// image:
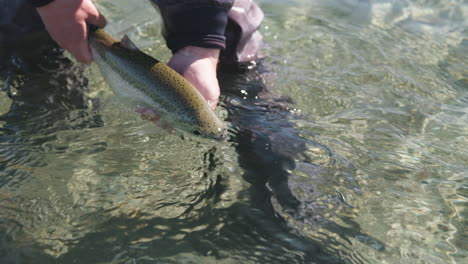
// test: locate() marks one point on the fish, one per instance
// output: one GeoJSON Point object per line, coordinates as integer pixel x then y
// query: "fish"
{"type": "Point", "coordinates": [139, 77]}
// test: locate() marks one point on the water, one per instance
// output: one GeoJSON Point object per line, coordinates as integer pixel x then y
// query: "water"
{"type": "Point", "coordinates": [368, 165]}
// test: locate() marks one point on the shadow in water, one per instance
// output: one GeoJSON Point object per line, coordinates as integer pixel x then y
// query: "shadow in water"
{"type": "Point", "coordinates": [270, 148]}
{"type": "Point", "coordinates": [49, 94]}
{"type": "Point", "coordinates": [254, 229]}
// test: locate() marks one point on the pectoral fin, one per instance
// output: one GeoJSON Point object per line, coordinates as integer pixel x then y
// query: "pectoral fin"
{"type": "Point", "coordinates": [155, 117]}
{"type": "Point", "coordinates": [148, 114]}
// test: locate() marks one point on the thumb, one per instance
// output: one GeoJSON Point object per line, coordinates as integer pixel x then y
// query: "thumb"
{"type": "Point", "coordinates": [95, 17]}
{"type": "Point", "coordinates": [83, 54]}
{"type": "Point", "coordinates": [80, 47]}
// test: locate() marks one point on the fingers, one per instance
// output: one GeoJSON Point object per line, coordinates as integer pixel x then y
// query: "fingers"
{"type": "Point", "coordinates": [66, 21]}
{"type": "Point", "coordinates": [94, 17]}
{"type": "Point", "coordinates": [84, 53]}
{"type": "Point", "coordinates": [198, 67]}
{"type": "Point", "coordinates": [213, 103]}
{"type": "Point", "coordinates": [80, 49]}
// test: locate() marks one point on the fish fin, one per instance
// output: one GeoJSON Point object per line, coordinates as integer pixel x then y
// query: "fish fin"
{"type": "Point", "coordinates": [155, 117]}
{"type": "Point", "coordinates": [126, 42]}
{"type": "Point", "coordinates": [148, 113]}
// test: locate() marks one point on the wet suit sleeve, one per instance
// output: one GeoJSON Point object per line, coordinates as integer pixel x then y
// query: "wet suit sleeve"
{"type": "Point", "coordinates": [198, 23]}
{"type": "Point", "coordinates": [39, 3]}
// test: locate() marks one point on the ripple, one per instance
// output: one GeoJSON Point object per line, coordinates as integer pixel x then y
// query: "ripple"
{"type": "Point", "coordinates": [368, 165]}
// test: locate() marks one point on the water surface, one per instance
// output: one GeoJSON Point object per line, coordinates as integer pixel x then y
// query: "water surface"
{"type": "Point", "coordinates": [357, 155]}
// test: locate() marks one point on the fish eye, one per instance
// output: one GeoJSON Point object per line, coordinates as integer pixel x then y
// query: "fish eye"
{"type": "Point", "coordinates": [196, 132]}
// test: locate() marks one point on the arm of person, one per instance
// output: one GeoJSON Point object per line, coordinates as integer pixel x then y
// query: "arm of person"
{"type": "Point", "coordinates": [194, 32]}
{"type": "Point", "coordinates": [198, 66]}
{"type": "Point", "coordinates": [195, 49]}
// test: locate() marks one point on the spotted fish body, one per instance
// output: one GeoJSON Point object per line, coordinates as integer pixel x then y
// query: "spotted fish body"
{"type": "Point", "coordinates": [140, 77]}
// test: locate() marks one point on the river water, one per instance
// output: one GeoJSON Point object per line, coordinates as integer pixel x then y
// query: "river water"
{"type": "Point", "coordinates": [357, 154]}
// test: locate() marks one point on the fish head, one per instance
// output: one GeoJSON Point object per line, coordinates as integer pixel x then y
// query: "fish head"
{"type": "Point", "coordinates": [217, 132]}
{"type": "Point", "coordinates": [206, 126]}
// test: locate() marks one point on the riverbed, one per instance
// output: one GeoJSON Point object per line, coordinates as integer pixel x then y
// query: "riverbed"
{"type": "Point", "coordinates": [347, 145]}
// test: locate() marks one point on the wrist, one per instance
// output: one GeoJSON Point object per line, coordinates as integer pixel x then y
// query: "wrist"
{"type": "Point", "coordinates": [199, 52]}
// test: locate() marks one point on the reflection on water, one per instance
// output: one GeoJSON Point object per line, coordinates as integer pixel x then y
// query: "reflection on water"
{"type": "Point", "coordinates": [347, 148]}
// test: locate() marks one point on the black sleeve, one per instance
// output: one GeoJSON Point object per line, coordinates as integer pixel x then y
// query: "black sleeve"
{"type": "Point", "coordinates": [39, 3]}
{"type": "Point", "coordinates": [194, 23]}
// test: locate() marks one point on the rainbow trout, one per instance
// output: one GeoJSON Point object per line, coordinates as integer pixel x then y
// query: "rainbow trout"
{"type": "Point", "coordinates": [140, 77]}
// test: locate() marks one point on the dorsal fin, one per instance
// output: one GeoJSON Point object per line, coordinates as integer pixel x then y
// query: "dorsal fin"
{"type": "Point", "coordinates": [127, 43]}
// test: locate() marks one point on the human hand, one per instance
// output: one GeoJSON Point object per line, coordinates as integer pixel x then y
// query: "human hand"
{"type": "Point", "coordinates": [198, 66]}
{"type": "Point", "coordinates": [66, 21]}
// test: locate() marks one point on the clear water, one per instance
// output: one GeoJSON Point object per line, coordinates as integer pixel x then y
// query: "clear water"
{"type": "Point", "coordinates": [368, 165]}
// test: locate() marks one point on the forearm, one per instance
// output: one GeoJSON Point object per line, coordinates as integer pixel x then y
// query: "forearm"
{"type": "Point", "coordinates": [199, 23]}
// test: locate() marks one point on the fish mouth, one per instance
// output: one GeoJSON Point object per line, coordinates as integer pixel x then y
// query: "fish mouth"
{"type": "Point", "coordinates": [222, 136]}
